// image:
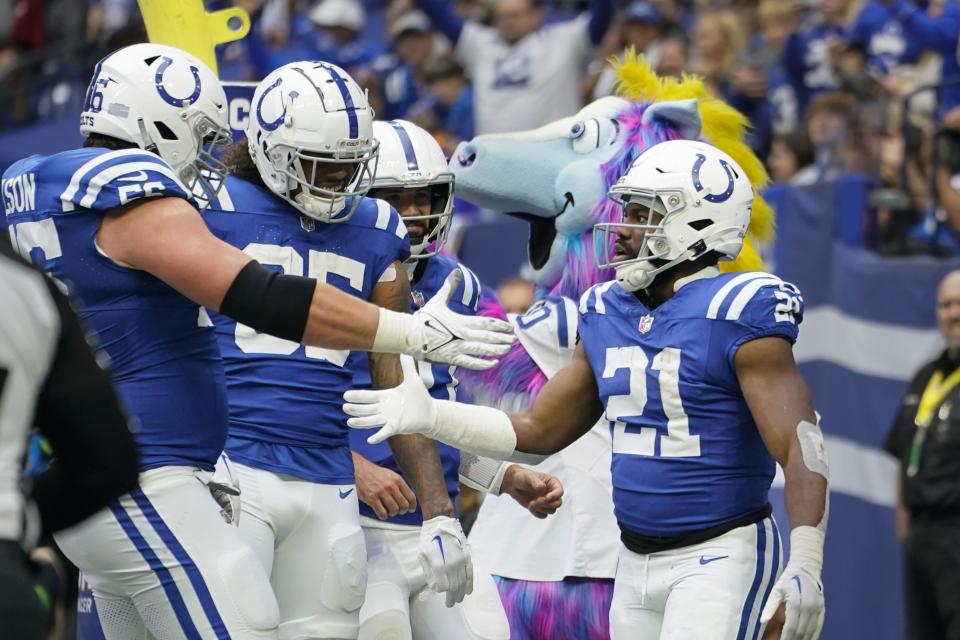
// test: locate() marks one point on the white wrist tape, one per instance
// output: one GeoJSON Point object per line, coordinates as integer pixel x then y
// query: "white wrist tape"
{"type": "Point", "coordinates": [482, 474]}
{"type": "Point", "coordinates": [392, 331]}
{"type": "Point", "coordinates": [483, 431]}
{"type": "Point", "coordinates": [806, 547]}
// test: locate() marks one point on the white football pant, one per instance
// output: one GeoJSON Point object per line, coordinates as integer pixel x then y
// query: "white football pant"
{"type": "Point", "coordinates": [307, 537]}
{"type": "Point", "coordinates": [398, 605]}
{"type": "Point", "coordinates": [714, 590]}
{"type": "Point", "coordinates": [162, 559]}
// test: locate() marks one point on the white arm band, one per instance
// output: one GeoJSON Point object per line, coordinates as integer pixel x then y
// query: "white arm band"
{"type": "Point", "coordinates": [482, 474]}
{"type": "Point", "coordinates": [392, 331]}
{"type": "Point", "coordinates": [483, 431]}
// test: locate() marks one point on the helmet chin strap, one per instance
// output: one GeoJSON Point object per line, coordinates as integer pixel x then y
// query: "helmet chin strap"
{"type": "Point", "coordinates": [638, 275]}
{"type": "Point", "coordinates": [319, 208]}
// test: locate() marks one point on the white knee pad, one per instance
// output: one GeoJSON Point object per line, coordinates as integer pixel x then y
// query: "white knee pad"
{"type": "Point", "coordinates": [249, 589]}
{"type": "Point", "coordinates": [388, 624]}
{"type": "Point", "coordinates": [345, 580]}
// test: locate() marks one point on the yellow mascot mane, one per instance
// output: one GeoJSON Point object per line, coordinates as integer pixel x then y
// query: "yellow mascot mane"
{"type": "Point", "coordinates": [723, 127]}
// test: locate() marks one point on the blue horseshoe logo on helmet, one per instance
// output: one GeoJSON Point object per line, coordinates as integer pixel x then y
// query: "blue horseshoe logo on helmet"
{"type": "Point", "coordinates": [715, 198]}
{"type": "Point", "coordinates": [273, 124]}
{"type": "Point", "coordinates": [169, 99]}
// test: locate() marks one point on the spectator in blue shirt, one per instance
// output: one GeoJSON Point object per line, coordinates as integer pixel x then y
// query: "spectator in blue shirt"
{"type": "Point", "coordinates": [807, 57]}
{"type": "Point", "coordinates": [393, 77]}
{"type": "Point", "coordinates": [329, 31]}
{"type": "Point", "coordinates": [454, 98]}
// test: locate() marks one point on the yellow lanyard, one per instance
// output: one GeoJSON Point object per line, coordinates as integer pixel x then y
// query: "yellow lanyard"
{"type": "Point", "coordinates": [933, 394]}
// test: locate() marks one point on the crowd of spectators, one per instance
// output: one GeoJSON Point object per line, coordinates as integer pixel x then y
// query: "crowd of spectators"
{"type": "Point", "coordinates": [831, 87]}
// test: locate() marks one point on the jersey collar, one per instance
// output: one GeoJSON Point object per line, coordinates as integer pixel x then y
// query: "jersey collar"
{"type": "Point", "coordinates": [706, 272]}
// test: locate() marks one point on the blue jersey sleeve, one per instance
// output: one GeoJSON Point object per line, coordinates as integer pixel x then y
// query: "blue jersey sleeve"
{"type": "Point", "coordinates": [398, 244]}
{"type": "Point", "coordinates": [774, 309]}
{"type": "Point", "coordinates": [113, 179]}
{"type": "Point", "coordinates": [467, 296]}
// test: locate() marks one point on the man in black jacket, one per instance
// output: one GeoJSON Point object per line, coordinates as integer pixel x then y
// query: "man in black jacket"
{"type": "Point", "coordinates": [926, 438]}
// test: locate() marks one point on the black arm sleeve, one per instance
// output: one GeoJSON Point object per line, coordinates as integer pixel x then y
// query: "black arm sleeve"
{"type": "Point", "coordinates": [270, 302]}
{"type": "Point", "coordinates": [79, 413]}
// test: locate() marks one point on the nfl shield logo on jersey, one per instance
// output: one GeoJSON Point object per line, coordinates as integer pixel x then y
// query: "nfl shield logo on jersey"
{"type": "Point", "coordinates": [646, 322]}
{"type": "Point", "coordinates": [417, 298]}
{"type": "Point", "coordinates": [307, 224]}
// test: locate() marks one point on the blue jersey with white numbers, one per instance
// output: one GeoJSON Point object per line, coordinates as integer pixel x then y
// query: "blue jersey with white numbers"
{"type": "Point", "coordinates": [285, 399]}
{"type": "Point", "coordinates": [687, 454]}
{"type": "Point", "coordinates": [807, 63]}
{"type": "Point", "coordinates": [439, 379]}
{"type": "Point", "coordinates": [165, 365]}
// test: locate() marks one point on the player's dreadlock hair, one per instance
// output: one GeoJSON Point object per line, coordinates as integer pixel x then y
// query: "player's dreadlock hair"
{"type": "Point", "coordinates": [100, 141]}
{"type": "Point", "coordinates": [240, 163]}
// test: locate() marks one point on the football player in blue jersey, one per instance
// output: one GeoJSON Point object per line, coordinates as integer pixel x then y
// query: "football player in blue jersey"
{"type": "Point", "coordinates": [412, 554]}
{"type": "Point", "coordinates": [695, 373]}
{"type": "Point", "coordinates": [295, 201]}
{"type": "Point", "coordinates": [115, 223]}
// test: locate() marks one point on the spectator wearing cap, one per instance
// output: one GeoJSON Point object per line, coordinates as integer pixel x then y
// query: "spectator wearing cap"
{"type": "Point", "coordinates": [393, 78]}
{"type": "Point", "coordinates": [330, 30]}
{"type": "Point", "coordinates": [642, 26]}
{"type": "Point", "coordinates": [525, 72]}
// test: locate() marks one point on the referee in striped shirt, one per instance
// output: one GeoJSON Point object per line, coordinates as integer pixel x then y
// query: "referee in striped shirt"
{"type": "Point", "coordinates": [50, 380]}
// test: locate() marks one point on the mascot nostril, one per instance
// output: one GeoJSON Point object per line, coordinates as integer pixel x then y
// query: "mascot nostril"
{"type": "Point", "coordinates": [466, 158]}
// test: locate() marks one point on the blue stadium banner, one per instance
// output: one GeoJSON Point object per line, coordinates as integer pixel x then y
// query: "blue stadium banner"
{"type": "Point", "coordinates": [868, 326]}
{"type": "Point", "coordinates": [239, 97]}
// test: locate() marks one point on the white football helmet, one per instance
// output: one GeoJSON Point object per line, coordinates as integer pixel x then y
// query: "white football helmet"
{"type": "Point", "coordinates": [410, 158]}
{"type": "Point", "coordinates": [309, 118]}
{"type": "Point", "coordinates": [166, 101]}
{"type": "Point", "coordinates": [703, 196]}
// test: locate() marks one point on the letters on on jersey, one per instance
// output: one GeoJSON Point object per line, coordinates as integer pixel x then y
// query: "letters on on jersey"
{"type": "Point", "coordinates": [166, 367]}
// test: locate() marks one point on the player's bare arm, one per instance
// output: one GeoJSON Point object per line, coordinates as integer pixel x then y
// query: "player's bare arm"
{"type": "Point", "coordinates": [783, 411]}
{"type": "Point", "coordinates": [167, 238]}
{"type": "Point", "coordinates": [779, 401]}
{"type": "Point", "coordinates": [566, 408]}
{"type": "Point", "coordinates": [417, 456]}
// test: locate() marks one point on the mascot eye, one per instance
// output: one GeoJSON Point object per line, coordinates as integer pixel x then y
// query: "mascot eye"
{"type": "Point", "coordinates": [587, 139]}
{"type": "Point", "coordinates": [615, 131]}
{"type": "Point", "coordinates": [577, 130]}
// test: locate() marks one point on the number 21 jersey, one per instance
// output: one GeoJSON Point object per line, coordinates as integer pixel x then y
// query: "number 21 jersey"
{"type": "Point", "coordinates": [687, 454]}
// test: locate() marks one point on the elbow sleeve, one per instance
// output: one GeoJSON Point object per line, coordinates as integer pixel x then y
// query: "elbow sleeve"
{"type": "Point", "coordinates": [270, 302]}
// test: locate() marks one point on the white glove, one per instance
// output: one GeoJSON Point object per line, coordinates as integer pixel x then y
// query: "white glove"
{"type": "Point", "coordinates": [224, 486]}
{"type": "Point", "coordinates": [405, 409]}
{"type": "Point", "coordinates": [800, 588]}
{"type": "Point", "coordinates": [436, 334]}
{"type": "Point", "coordinates": [483, 431]}
{"type": "Point", "coordinates": [445, 557]}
